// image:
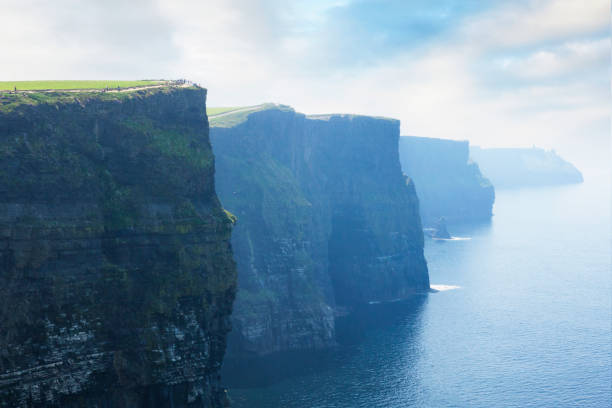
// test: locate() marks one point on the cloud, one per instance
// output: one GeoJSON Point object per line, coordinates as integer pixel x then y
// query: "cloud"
{"type": "Point", "coordinates": [574, 57]}
{"type": "Point", "coordinates": [537, 22]}
{"type": "Point", "coordinates": [363, 31]}
{"type": "Point", "coordinates": [76, 39]}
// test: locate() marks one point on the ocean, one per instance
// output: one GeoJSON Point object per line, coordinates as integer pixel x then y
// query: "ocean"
{"type": "Point", "coordinates": [523, 319]}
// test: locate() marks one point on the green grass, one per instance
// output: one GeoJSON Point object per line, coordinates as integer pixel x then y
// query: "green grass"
{"type": "Point", "coordinates": [328, 116]}
{"type": "Point", "coordinates": [218, 111]}
{"type": "Point", "coordinates": [44, 85]}
{"type": "Point", "coordinates": [10, 101]}
{"type": "Point", "coordinates": [241, 115]}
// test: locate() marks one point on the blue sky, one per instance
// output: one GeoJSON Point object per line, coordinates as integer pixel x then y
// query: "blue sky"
{"type": "Point", "coordinates": [499, 73]}
{"type": "Point", "coordinates": [365, 30]}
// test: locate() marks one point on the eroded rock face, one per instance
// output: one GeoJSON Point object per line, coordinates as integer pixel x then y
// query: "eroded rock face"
{"type": "Point", "coordinates": [447, 182]}
{"type": "Point", "coordinates": [116, 272]}
{"type": "Point", "coordinates": [326, 221]}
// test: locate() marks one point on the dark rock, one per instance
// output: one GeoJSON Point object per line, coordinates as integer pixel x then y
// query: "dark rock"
{"type": "Point", "coordinates": [116, 272]}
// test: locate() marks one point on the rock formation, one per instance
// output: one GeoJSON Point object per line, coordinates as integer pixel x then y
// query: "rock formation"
{"type": "Point", "coordinates": [440, 230]}
{"type": "Point", "coordinates": [116, 272]}
{"type": "Point", "coordinates": [326, 220]}
{"type": "Point", "coordinates": [448, 184]}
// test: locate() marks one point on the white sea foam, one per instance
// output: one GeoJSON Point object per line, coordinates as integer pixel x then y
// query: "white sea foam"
{"type": "Point", "coordinates": [453, 239]}
{"type": "Point", "coordinates": [443, 288]}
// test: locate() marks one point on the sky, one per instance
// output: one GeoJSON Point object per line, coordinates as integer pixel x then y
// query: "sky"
{"type": "Point", "coordinates": [497, 73]}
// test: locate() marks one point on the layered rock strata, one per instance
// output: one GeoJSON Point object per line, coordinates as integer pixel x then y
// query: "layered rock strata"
{"type": "Point", "coordinates": [116, 271]}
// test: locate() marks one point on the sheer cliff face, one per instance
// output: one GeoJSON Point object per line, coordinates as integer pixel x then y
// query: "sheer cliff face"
{"type": "Point", "coordinates": [448, 184]}
{"type": "Point", "coordinates": [325, 219]}
{"type": "Point", "coordinates": [516, 167]}
{"type": "Point", "coordinates": [376, 241]}
{"type": "Point", "coordinates": [116, 272]}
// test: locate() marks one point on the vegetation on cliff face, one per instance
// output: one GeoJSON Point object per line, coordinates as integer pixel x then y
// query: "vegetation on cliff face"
{"type": "Point", "coordinates": [275, 237]}
{"type": "Point", "coordinates": [116, 273]}
{"type": "Point", "coordinates": [325, 217]}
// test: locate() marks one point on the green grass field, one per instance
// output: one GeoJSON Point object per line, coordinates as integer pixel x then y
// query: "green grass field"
{"type": "Point", "coordinates": [43, 85]}
{"type": "Point", "coordinates": [10, 101]}
{"type": "Point", "coordinates": [235, 116]}
{"type": "Point", "coordinates": [218, 111]}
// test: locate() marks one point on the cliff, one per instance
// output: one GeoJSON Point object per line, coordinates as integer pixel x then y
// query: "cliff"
{"type": "Point", "coordinates": [326, 221]}
{"type": "Point", "coordinates": [116, 272]}
{"type": "Point", "coordinates": [518, 167]}
{"type": "Point", "coordinates": [448, 184]}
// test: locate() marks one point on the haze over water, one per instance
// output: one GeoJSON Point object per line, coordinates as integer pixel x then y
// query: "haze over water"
{"type": "Point", "coordinates": [529, 325]}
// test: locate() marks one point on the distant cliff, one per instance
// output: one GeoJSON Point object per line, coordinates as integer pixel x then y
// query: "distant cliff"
{"type": "Point", "coordinates": [515, 167]}
{"type": "Point", "coordinates": [326, 220]}
{"type": "Point", "coordinates": [448, 184]}
{"type": "Point", "coordinates": [116, 272]}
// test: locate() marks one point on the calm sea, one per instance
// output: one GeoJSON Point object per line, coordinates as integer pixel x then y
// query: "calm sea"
{"type": "Point", "coordinates": [529, 324]}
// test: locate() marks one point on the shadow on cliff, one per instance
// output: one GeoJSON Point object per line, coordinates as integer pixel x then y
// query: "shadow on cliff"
{"type": "Point", "coordinates": [364, 324]}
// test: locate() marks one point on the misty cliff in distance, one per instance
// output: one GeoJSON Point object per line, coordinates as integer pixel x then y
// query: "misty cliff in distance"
{"type": "Point", "coordinates": [116, 272]}
{"type": "Point", "coordinates": [525, 167]}
{"type": "Point", "coordinates": [326, 220]}
{"type": "Point", "coordinates": [448, 184]}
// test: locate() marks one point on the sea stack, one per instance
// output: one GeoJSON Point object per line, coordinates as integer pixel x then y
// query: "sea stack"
{"type": "Point", "coordinates": [441, 232]}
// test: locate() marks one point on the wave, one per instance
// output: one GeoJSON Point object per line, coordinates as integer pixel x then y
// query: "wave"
{"type": "Point", "coordinates": [443, 288]}
{"type": "Point", "coordinates": [453, 239]}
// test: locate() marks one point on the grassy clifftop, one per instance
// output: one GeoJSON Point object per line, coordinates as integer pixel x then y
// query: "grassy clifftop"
{"type": "Point", "coordinates": [71, 84]}
{"type": "Point", "coordinates": [227, 117]}
{"type": "Point", "coordinates": [230, 117]}
{"type": "Point", "coordinates": [11, 100]}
